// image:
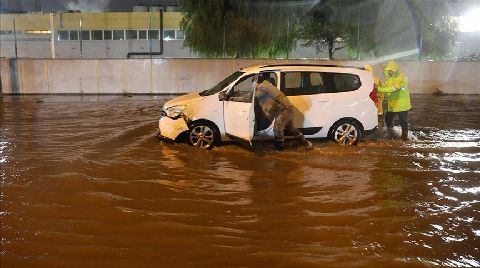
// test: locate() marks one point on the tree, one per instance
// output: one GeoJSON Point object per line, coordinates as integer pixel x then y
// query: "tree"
{"type": "Point", "coordinates": [415, 29]}
{"type": "Point", "coordinates": [435, 30]}
{"type": "Point", "coordinates": [361, 19]}
{"type": "Point", "coordinates": [247, 28]}
{"type": "Point", "coordinates": [366, 28]}
{"type": "Point", "coordinates": [204, 23]}
{"type": "Point", "coordinates": [376, 28]}
{"type": "Point", "coordinates": [323, 26]}
{"type": "Point", "coordinates": [339, 24]}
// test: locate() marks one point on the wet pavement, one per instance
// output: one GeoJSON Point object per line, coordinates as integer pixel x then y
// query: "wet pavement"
{"type": "Point", "coordinates": [85, 183]}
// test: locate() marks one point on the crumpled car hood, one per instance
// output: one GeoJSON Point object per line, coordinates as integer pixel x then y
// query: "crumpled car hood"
{"type": "Point", "coordinates": [184, 99]}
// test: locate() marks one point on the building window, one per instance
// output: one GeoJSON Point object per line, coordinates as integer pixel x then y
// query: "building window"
{"type": "Point", "coordinates": [73, 35]}
{"type": "Point", "coordinates": [62, 35]}
{"type": "Point", "coordinates": [168, 34]}
{"type": "Point", "coordinates": [180, 34]}
{"type": "Point", "coordinates": [107, 35]}
{"type": "Point", "coordinates": [85, 35]}
{"type": "Point", "coordinates": [142, 34]}
{"type": "Point", "coordinates": [131, 34]}
{"type": "Point", "coordinates": [97, 35]}
{"type": "Point", "coordinates": [153, 34]}
{"type": "Point", "coordinates": [118, 35]}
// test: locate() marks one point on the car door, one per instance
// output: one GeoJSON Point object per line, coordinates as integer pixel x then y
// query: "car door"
{"type": "Point", "coordinates": [238, 110]}
{"type": "Point", "coordinates": [313, 105]}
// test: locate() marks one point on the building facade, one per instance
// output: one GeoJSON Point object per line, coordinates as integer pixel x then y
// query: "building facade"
{"type": "Point", "coordinates": [146, 30]}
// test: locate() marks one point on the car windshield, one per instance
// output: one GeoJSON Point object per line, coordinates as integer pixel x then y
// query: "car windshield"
{"type": "Point", "coordinates": [220, 86]}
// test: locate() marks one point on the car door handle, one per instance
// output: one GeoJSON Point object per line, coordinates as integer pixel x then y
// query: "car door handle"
{"type": "Point", "coordinates": [323, 101]}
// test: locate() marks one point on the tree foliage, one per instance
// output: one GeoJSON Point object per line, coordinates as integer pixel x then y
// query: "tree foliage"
{"type": "Point", "coordinates": [248, 28]}
{"type": "Point", "coordinates": [436, 31]}
{"type": "Point", "coordinates": [366, 28]}
{"type": "Point", "coordinates": [361, 20]}
{"type": "Point", "coordinates": [323, 26]}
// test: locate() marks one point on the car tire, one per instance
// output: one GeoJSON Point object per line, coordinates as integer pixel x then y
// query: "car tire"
{"type": "Point", "coordinates": [346, 132]}
{"type": "Point", "coordinates": [204, 135]}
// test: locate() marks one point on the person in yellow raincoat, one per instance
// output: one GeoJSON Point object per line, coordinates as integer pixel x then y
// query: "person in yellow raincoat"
{"type": "Point", "coordinates": [398, 98]}
{"type": "Point", "coordinates": [380, 96]}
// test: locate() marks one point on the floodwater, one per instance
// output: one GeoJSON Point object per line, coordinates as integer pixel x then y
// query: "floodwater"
{"type": "Point", "coordinates": [85, 183]}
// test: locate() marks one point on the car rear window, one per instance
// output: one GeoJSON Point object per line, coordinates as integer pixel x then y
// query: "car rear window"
{"type": "Point", "coordinates": [346, 82]}
{"type": "Point", "coordinates": [309, 83]}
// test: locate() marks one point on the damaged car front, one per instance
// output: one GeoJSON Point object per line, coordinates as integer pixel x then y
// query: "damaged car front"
{"type": "Point", "coordinates": [197, 116]}
{"type": "Point", "coordinates": [173, 122]}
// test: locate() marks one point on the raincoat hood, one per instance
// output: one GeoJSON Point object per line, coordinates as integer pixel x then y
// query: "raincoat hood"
{"type": "Point", "coordinates": [368, 67]}
{"type": "Point", "coordinates": [391, 66]}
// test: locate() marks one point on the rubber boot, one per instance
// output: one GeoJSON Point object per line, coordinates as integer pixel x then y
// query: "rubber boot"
{"type": "Point", "coordinates": [304, 142]}
{"type": "Point", "coordinates": [391, 133]}
{"type": "Point", "coordinates": [405, 133]}
{"type": "Point", "coordinates": [279, 145]}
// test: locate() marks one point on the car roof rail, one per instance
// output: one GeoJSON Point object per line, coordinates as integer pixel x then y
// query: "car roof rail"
{"type": "Point", "coordinates": [310, 64]}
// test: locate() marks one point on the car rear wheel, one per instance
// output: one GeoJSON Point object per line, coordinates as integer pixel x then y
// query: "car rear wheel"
{"type": "Point", "coordinates": [203, 135]}
{"type": "Point", "coordinates": [346, 132]}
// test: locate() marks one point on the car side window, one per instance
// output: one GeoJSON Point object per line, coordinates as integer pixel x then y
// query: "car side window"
{"type": "Point", "coordinates": [302, 83]}
{"type": "Point", "coordinates": [291, 83]}
{"type": "Point", "coordinates": [308, 83]}
{"type": "Point", "coordinates": [346, 82]}
{"type": "Point", "coordinates": [314, 83]}
{"type": "Point", "coordinates": [271, 77]}
{"type": "Point", "coordinates": [316, 80]}
{"type": "Point", "coordinates": [242, 91]}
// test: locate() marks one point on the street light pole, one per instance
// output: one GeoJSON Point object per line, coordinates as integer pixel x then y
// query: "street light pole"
{"type": "Point", "coordinates": [52, 36]}
{"type": "Point", "coordinates": [15, 38]}
{"type": "Point", "coordinates": [149, 31]}
{"type": "Point", "coordinates": [80, 35]}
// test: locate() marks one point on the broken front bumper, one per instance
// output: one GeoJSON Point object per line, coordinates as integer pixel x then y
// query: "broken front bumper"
{"type": "Point", "coordinates": [171, 128]}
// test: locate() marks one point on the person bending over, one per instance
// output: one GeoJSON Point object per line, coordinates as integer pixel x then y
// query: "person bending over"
{"type": "Point", "coordinates": [276, 106]}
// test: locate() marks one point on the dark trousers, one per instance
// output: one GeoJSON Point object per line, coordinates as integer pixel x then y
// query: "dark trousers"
{"type": "Point", "coordinates": [402, 117]}
{"type": "Point", "coordinates": [282, 121]}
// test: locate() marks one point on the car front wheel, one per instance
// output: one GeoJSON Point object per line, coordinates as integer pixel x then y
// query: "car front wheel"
{"type": "Point", "coordinates": [203, 135]}
{"type": "Point", "coordinates": [346, 132]}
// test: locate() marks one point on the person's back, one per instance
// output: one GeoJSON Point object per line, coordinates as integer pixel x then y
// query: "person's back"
{"type": "Point", "coordinates": [271, 99]}
{"type": "Point", "coordinates": [276, 106]}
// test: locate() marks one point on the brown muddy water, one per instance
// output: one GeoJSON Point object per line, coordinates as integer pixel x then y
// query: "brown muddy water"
{"type": "Point", "coordinates": [85, 183]}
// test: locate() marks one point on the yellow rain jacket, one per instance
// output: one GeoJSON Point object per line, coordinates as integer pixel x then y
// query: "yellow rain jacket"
{"type": "Point", "coordinates": [396, 87]}
{"type": "Point", "coordinates": [376, 81]}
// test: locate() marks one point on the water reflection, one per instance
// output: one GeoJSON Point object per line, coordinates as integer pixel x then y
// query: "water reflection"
{"type": "Point", "coordinates": [86, 177]}
{"type": "Point", "coordinates": [3, 152]}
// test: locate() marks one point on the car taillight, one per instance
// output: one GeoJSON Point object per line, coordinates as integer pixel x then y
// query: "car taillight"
{"type": "Point", "coordinates": [373, 95]}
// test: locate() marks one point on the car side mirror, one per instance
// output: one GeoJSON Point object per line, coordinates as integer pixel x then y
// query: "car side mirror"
{"type": "Point", "coordinates": [222, 96]}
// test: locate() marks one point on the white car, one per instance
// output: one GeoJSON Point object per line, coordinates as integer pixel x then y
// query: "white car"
{"type": "Point", "coordinates": [330, 101]}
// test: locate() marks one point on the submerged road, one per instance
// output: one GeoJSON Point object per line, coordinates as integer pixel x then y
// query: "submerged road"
{"type": "Point", "coordinates": [84, 183]}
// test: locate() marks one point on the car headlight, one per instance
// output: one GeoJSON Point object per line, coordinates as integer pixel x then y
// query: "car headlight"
{"type": "Point", "coordinates": [174, 112]}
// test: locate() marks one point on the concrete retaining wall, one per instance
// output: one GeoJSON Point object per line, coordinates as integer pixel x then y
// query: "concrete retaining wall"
{"type": "Point", "coordinates": [166, 76]}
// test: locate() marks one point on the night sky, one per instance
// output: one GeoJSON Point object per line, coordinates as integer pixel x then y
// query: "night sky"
{"type": "Point", "coordinates": [84, 5]}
